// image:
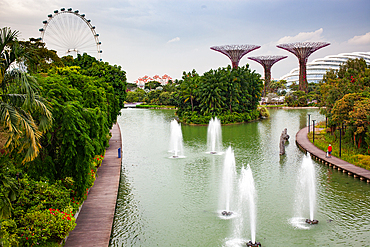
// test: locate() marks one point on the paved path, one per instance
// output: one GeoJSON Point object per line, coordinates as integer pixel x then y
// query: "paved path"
{"type": "Point", "coordinates": [319, 155]}
{"type": "Point", "coordinates": [95, 220]}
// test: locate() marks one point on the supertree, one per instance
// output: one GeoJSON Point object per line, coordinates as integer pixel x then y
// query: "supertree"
{"type": "Point", "coordinates": [267, 62]}
{"type": "Point", "coordinates": [235, 52]}
{"type": "Point", "coordinates": [303, 50]}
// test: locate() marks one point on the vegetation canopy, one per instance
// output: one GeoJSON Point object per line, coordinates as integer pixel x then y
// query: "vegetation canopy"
{"type": "Point", "coordinates": [231, 94]}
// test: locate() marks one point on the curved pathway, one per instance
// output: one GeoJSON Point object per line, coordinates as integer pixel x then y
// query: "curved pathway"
{"type": "Point", "coordinates": [319, 155]}
{"type": "Point", "coordinates": [95, 220]}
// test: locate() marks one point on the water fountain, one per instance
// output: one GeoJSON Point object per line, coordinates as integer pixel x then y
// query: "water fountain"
{"type": "Point", "coordinates": [246, 210]}
{"type": "Point", "coordinates": [248, 197]}
{"type": "Point", "coordinates": [176, 145]}
{"type": "Point", "coordinates": [214, 137]}
{"type": "Point", "coordinates": [306, 191]}
{"type": "Point", "coordinates": [227, 186]}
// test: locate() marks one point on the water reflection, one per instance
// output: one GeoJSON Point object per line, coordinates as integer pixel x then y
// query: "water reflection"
{"type": "Point", "coordinates": [174, 202]}
{"type": "Point", "coordinates": [128, 223]}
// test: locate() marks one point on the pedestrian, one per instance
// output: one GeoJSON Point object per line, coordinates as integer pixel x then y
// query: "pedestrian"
{"type": "Point", "coordinates": [330, 149]}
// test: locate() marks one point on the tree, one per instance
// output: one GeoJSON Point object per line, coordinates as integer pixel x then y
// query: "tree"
{"type": "Point", "coordinates": [80, 129]}
{"type": "Point", "coordinates": [228, 92]}
{"type": "Point", "coordinates": [210, 93]}
{"type": "Point", "coordinates": [112, 78]}
{"type": "Point", "coordinates": [352, 77]}
{"type": "Point", "coordinates": [39, 58]}
{"type": "Point", "coordinates": [345, 97]}
{"type": "Point", "coordinates": [278, 86]}
{"type": "Point", "coordinates": [189, 87]}
{"type": "Point", "coordinates": [24, 115]}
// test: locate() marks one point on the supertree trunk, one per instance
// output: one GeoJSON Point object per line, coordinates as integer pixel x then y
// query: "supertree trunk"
{"type": "Point", "coordinates": [303, 84]}
{"type": "Point", "coordinates": [302, 50]}
{"type": "Point", "coordinates": [267, 62]}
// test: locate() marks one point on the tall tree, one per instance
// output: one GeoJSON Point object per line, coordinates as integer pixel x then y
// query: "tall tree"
{"type": "Point", "coordinates": [24, 115]}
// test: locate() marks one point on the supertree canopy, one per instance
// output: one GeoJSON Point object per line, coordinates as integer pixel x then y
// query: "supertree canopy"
{"type": "Point", "coordinates": [267, 62]}
{"type": "Point", "coordinates": [235, 52]}
{"type": "Point", "coordinates": [303, 50]}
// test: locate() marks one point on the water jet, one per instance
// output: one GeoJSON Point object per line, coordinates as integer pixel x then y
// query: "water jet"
{"type": "Point", "coordinates": [305, 193]}
{"type": "Point", "coordinates": [214, 137]}
{"type": "Point", "coordinates": [228, 181]}
{"type": "Point", "coordinates": [176, 145]}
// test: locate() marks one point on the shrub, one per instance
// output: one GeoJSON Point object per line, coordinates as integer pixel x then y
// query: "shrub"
{"type": "Point", "coordinates": [40, 195]}
{"type": "Point", "coordinates": [41, 227]}
{"type": "Point", "coordinates": [263, 112]}
{"type": "Point", "coordinates": [8, 237]}
{"type": "Point", "coordinates": [363, 161]}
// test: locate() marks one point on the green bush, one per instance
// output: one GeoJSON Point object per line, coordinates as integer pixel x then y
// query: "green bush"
{"type": "Point", "coordinates": [228, 118]}
{"type": "Point", "coordinates": [263, 112]}
{"type": "Point", "coordinates": [41, 227]}
{"type": "Point", "coordinates": [40, 195]}
{"type": "Point", "coordinates": [8, 236]}
{"type": "Point", "coordinates": [363, 161]}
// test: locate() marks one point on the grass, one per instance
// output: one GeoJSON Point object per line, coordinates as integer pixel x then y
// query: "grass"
{"type": "Point", "coordinates": [349, 153]}
{"type": "Point", "coordinates": [156, 106]}
{"type": "Point", "coordinates": [273, 106]}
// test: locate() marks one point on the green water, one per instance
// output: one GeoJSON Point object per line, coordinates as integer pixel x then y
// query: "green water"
{"type": "Point", "coordinates": [174, 202]}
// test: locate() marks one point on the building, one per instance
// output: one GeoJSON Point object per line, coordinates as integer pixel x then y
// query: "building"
{"type": "Point", "coordinates": [318, 67]}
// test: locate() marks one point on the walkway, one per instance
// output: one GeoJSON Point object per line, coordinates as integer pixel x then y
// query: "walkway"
{"type": "Point", "coordinates": [95, 220]}
{"type": "Point", "coordinates": [319, 155]}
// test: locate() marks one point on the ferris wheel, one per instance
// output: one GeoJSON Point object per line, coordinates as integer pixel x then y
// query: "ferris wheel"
{"type": "Point", "coordinates": [70, 33]}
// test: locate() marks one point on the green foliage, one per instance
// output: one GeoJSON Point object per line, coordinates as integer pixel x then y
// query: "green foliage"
{"type": "Point", "coordinates": [8, 236]}
{"type": "Point", "coordinates": [24, 115]}
{"type": "Point", "coordinates": [156, 106]}
{"type": "Point", "coordinates": [230, 94]}
{"type": "Point", "coordinates": [39, 58]}
{"type": "Point", "coordinates": [352, 77]}
{"type": "Point", "coordinates": [346, 100]}
{"type": "Point", "coordinates": [263, 112]}
{"type": "Point", "coordinates": [44, 226]}
{"type": "Point", "coordinates": [296, 99]}
{"type": "Point", "coordinates": [278, 87]}
{"type": "Point", "coordinates": [80, 129]}
{"type": "Point", "coordinates": [41, 195]}
{"type": "Point", "coordinates": [363, 161]}
{"type": "Point", "coordinates": [43, 213]}
{"type": "Point", "coordinates": [152, 85]}
{"type": "Point", "coordinates": [112, 79]}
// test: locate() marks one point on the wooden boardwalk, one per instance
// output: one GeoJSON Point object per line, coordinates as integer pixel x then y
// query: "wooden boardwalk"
{"type": "Point", "coordinates": [319, 155]}
{"type": "Point", "coordinates": [95, 220]}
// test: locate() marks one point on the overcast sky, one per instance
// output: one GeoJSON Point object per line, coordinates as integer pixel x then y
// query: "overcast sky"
{"type": "Point", "coordinates": [149, 37]}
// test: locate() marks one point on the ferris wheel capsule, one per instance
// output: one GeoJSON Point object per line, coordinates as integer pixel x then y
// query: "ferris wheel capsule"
{"type": "Point", "coordinates": [69, 33]}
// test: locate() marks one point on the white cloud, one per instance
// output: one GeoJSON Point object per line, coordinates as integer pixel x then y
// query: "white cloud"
{"type": "Point", "coordinates": [174, 40]}
{"type": "Point", "coordinates": [302, 37]}
{"type": "Point", "coordinates": [360, 40]}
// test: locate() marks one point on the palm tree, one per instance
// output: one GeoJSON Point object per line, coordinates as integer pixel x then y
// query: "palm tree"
{"type": "Point", "coordinates": [189, 87]}
{"type": "Point", "coordinates": [24, 115]}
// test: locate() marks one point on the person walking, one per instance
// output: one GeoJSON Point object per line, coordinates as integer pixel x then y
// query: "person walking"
{"type": "Point", "coordinates": [330, 149]}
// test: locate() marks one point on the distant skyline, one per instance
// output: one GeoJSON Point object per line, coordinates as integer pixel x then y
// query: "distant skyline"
{"type": "Point", "coordinates": [154, 37]}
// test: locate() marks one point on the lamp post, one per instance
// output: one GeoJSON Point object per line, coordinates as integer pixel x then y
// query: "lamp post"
{"type": "Point", "coordinates": [313, 131]}
{"type": "Point", "coordinates": [340, 141]}
{"type": "Point", "coordinates": [309, 115]}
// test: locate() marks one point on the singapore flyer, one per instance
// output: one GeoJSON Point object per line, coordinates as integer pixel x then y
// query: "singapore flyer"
{"type": "Point", "coordinates": [70, 33]}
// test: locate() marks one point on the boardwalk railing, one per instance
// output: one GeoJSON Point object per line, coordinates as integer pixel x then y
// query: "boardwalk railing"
{"type": "Point", "coordinates": [305, 145]}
